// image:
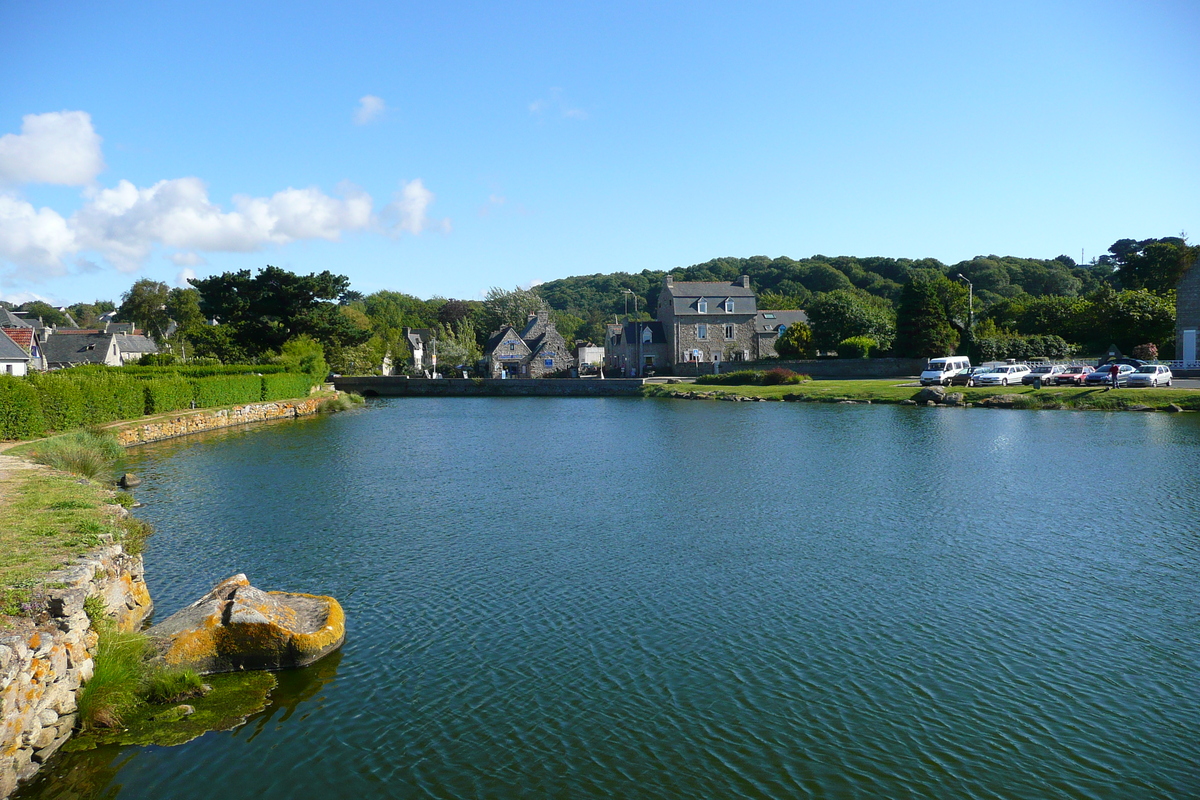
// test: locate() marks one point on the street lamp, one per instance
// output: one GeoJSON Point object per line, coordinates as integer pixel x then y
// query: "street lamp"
{"type": "Point", "coordinates": [637, 333]}
{"type": "Point", "coordinates": [970, 307]}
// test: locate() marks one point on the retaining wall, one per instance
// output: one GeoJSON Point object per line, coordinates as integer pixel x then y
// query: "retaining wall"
{"type": "Point", "coordinates": [184, 422]}
{"type": "Point", "coordinates": [43, 663]}
{"type": "Point", "coordinates": [817, 367]}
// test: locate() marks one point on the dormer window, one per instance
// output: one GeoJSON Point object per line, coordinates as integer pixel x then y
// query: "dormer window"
{"type": "Point", "coordinates": [702, 306]}
{"type": "Point", "coordinates": [647, 336]}
{"type": "Point", "coordinates": [729, 305]}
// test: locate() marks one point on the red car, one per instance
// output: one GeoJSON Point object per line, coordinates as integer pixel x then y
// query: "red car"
{"type": "Point", "coordinates": [1072, 374]}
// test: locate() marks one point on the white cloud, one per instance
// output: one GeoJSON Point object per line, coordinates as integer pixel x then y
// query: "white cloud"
{"type": "Point", "coordinates": [408, 210]}
{"type": "Point", "coordinates": [126, 222]}
{"type": "Point", "coordinates": [187, 260]}
{"type": "Point", "coordinates": [60, 147]}
{"type": "Point", "coordinates": [21, 298]}
{"type": "Point", "coordinates": [182, 278]}
{"type": "Point", "coordinates": [35, 239]}
{"type": "Point", "coordinates": [369, 108]}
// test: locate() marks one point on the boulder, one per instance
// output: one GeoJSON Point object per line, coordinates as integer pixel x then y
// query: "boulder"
{"type": "Point", "coordinates": [954, 399]}
{"type": "Point", "coordinates": [129, 480]}
{"type": "Point", "coordinates": [930, 393]}
{"type": "Point", "coordinates": [236, 627]}
{"type": "Point", "coordinates": [1174, 408]}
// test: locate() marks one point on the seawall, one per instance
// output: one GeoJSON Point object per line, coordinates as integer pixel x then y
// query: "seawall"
{"type": "Point", "coordinates": [181, 423]}
{"type": "Point", "coordinates": [817, 367]}
{"type": "Point", "coordinates": [46, 658]}
{"type": "Point", "coordinates": [398, 386]}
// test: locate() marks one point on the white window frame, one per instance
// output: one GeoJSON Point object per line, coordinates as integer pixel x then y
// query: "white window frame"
{"type": "Point", "coordinates": [701, 330]}
{"type": "Point", "coordinates": [730, 332]}
{"type": "Point", "coordinates": [729, 305]}
{"type": "Point", "coordinates": [702, 306]}
{"type": "Point", "coordinates": [647, 335]}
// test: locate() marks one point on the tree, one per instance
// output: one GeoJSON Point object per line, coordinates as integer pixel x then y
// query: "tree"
{"type": "Point", "coordinates": [923, 328]}
{"type": "Point", "coordinates": [274, 306]}
{"type": "Point", "coordinates": [305, 354]}
{"type": "Point", "coordinates": [88, 314]}
{"type": "Point", "coordinates": [1130, 318]}
{"type": "Point", "coordinates": [48, 314]}
{"type": "Point", "coordinates": [795, 342]}
{"type": "Point", "coordinates": [513, 308]}
{"type": "Point", "coordinates": [145, 305]}
{"type": "Point", "coordinates": [1154, 264]}
{"type": "Point", "coordinates": [844, 313]}
{"type": "Point", "coordinates": [183, 306]}
{"type": "Point", "coordinates": [454, 311]}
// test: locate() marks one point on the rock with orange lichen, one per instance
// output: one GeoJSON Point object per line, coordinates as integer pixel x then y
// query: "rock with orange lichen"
{"type": "Point", "coordinates": [236, 627]}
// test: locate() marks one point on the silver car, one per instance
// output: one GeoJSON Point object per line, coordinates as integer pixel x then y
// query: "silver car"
{"type": "Point", "coordinates": [1002, 376]}
{"type": "Point", "coordinates": [1150, 375]}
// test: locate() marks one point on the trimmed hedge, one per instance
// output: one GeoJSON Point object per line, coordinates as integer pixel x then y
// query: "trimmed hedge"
{"type": "Point", "coordinates": [168, 394]}
{"type": "Point", "coordinates": [108, 398]}
{"type": "Point", "coordinates": [20, 409]}
{"type": "Point", "coordinates": [227, 390]}
{"type": "Point", "coordinates": [60, 398]}
{"type": "Point", "coordinates": [206, 371]}
{"type": "Point", "coordinates": [285, 386]}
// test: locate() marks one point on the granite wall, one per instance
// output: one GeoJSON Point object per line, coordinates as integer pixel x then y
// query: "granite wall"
{"type": "Point", "coordinates": [184, 422]}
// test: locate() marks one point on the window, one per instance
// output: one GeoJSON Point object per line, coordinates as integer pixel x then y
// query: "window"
{"type": "Point", "coordinates": [729, 305]}
{"type": "Point", "coordinates": [729, 331]}
{"type": "Point", "coordinates": [716, 357]}
{"type": "Point", "coordinates": [701, 331]}
{"type": "Point", "coordinates": [782, 328]}
{"type": "Point", "coordinates": [768, 316]}
{"type": "Point", "coordinates": [647, 336]}
{"type": "Point", "coordinates": [512, 346]}
{"type": "Point", "coordinates": [702, 306]}
{"type": "Point", "coordinates": [649, 361]}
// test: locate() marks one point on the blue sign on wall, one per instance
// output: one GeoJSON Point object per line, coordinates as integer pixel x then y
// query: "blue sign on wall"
{"type": "Point", "coordinates": [549, 362]}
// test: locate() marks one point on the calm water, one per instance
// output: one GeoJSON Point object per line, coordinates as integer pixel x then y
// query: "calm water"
{"type": "Point", "coordinates": [665, 599]}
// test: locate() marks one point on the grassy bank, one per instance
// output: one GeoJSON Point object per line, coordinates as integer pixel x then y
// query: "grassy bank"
{"type": "Point", "coordinates": [897, 391]}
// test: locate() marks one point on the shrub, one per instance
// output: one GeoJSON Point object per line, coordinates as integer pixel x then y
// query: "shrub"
{"type": "Point", "coordinates": [157, 360]}
{"type": "Point", "coordinates": [285, 386]}
{"type": "Point", "coordinates": [110, 396]}
{"type": "Point", "coordinates": [343, 402]}
{"type": "Point", "coordinates": [750, 377]}
{"type": "Point", "coordinates": [795, 342]}
{"type": "Point", "coordinates": [1146, 352]}
{"type": "Point", "coordinates": [856, 347]}
{"type": "Point", "coordinates": [20, 409]}
{"type": "Point", "coordinates": [779, 376]}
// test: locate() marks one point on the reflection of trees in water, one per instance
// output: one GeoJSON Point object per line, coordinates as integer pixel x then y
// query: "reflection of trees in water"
{"type": "Point", "coordinates": [86, 775]}
{"type": "Point", "coordinates": [296, 686]}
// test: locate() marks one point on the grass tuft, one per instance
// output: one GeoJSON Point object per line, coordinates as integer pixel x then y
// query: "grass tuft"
{"type": "Point", "coordinates": [89, 452]}
{"type": "Point", "coordinates": [343, 402]}
{"type": "Point", "coordinates": [168, 686]}
{"type": "Point", "coordinates": [116, 683]}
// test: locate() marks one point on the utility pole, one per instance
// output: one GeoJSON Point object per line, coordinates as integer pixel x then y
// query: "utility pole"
{"type": "Point", "coordinates": [971, 307]}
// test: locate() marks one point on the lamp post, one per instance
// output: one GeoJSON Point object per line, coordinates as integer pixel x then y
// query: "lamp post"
{"type": "Point", "coordinates": [637, 369]}
{"type": "Point", "coordinates": [970, 308]}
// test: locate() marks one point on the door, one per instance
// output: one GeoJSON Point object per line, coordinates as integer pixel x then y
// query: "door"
{"type": "Point", "coordinates": [1189, 346]}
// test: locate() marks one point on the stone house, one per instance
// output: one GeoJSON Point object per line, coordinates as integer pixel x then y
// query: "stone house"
{"type": "Point", "coordinates": [633, 349]}
{"type": "Point", "coordinates": [708, 321]}
{"type": "Point", "coordinates": [424, 350]}
{"type": "Point", "coordinates": [1187, 317]}
{"type": "Point", "coordinates": [72, 347]}
{"type": "Point", "coordinates": [536, 352]}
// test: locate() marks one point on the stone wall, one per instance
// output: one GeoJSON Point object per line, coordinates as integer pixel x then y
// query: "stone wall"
{"type": "Point", "coordinates": [820, 368]}
{"type": "Point", "coordinates": [184, 422]}
{"type": "Point", "coordinates": [44, 660]}
{"type": "Point", "coordinates": [392, 386]}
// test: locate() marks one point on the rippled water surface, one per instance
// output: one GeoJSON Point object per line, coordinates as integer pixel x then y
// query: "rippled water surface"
{"type": "Point", "coordinates": [664, 599]}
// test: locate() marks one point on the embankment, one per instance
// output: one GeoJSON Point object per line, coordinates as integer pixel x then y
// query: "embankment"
{"type": "Point", "coordinates": [182, 423]}
{"type": "Point", "coordinates": [396, 386]}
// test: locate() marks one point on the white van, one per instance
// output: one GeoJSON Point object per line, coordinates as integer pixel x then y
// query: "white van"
{"type": "Point", "coordinates": [941, 370]}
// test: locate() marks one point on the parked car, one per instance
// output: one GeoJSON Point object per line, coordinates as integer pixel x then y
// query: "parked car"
{"type": "Point", "coordinates": [1044, 372]}
{"type": "Point", "coordinates": [1103, 375]}
{"type": "Point", "coordinates": [1151, 375]}
{"type": "Point", "coordinates": [1072, 374]}
{"type": "Point", "coordinates": [965, 377]}
{"type": "Point", "coordinates": [1001, 376]}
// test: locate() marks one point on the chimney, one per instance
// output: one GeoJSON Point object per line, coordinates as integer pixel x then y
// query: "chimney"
{"type": "Point", "coordinates": [743, 281]}
{"type": "Point", "coordinates": [543, 315]}
{"type": "Point", "coordinates": [669, 280]}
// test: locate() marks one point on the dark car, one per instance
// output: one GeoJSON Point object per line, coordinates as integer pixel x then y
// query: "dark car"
{"type": "Point", "coordinates": [1103, 376]}
{"type": "Point", "coordinates": [963, 378]}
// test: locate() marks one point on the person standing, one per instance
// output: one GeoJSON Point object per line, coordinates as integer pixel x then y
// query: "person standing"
{"type": "Point", "coordinates": [1113, 372]}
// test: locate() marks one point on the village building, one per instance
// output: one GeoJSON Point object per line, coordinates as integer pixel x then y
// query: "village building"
{"type": "Point", "coordinates": [708, 321]}
{"type": "Point", "coordinates": [590, 357]}
{"type": "Point", "coordinates": [769, 326]}
{"type": "Point", "coordinates": [636, 349]}
{"type": "Point", "coordinates": [27, 340]}
{"type": "Point", "coordinates": [1187, 317]}
{"type": "Point", "coordinates": [424, 351]}
{"type": "Point", "coordinates": [14, 360]}
{"type": "Point", "coordinates": [538, 351]}
{"type": "Point", "coordinates": [73, 347]}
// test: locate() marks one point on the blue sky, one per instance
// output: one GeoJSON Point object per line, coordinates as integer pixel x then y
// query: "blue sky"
{"type": "Point", "coordinates": [446, 148]}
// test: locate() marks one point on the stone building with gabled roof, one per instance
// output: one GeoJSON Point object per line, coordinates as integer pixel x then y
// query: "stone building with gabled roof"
{"type": "Point", "coordinates": [14, 359]}
{"type": "Point", "coordinates": [708, 321]}
{"type": "Point", "coordinates": [537, 351]}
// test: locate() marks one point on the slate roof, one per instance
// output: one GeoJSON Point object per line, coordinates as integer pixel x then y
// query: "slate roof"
{"type": "Point", "coordinates": [76, 347]}
{"type": "Point", "coordinates": [11, 351]}
{"type": "Point", "coordinates": [708, 289]}
{"type": "Point", "coordinates": [786, 318]}
{"type": "Point", "coordinates": [127, 343]}
{"type": "Point", "coordinates": [629, 332]}
{"type": "Point", "coordinates": [684, 296]}
{"type": "Point", "coordinates": [10, 320]}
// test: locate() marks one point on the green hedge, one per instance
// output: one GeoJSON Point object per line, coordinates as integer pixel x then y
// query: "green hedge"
{"type": "Point", "coordinates": [205, 371]}
{"type": "Point", "coordinates": [20, 410]}
{"type": "Point", "coordinates": [227, 390]}
{"type": "Point", "coordinates": [168, 394]}
{"type": "Point", "coordinates": [286, 386]}
{"type": "Point", "coordinates": [60, 398]}
{"type": "Point", "coordinates": [108, 398]}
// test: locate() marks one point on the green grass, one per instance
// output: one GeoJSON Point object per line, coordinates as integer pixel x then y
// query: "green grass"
{"type": "Point", "coordinates": [343, 401]}
{"type": "Point", "coordinates": [48, 520]}
{"type": "Point", "coordinates": [116, 686]}
{"type": "Point", "coordinates": [169, 686]}
{"type": "Point", "coordinates": [896, 391]}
